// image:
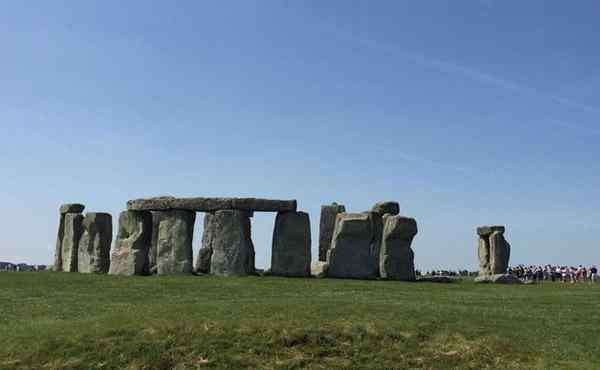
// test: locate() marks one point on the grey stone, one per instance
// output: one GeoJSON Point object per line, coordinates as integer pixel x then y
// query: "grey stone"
{"type": "Point", "coordinates": [397, 256]}
{"type": "Point", "coordinates": [377, 226]}
{"type": "Point", "coordinates": [73, 229]}
{"type": "Point", "coordinates": [493, 250]}
{"type": "Point", "coordinates": [129, 255]}
{"type": "Point", "coordinates": [152, 253]}
{"type": "Point", "coordinates": [174, 247]}
{"type": "Point", "coordinates": [388, 207]}
{"type": "Point", "coordinates": [94, 245]}
{"type": "Point", "coordinates": [206, 249]}
{"type": "Point", "coordinates": [291, 245]}
{"type": "Point", "coordinates": [71, 208]}
{"type": "Point", "coordinates": [233, 252]}
{"type": "Point", "coordinates": [64, 209]}
{"type": "Point", "coordinates": [212, 204]}
{"type": "Point", "coordinates": [326, 226]}
{"type": "Point", "coordinates": [438, 279]}
{"type": "Point", "coordinates": [351, 250]}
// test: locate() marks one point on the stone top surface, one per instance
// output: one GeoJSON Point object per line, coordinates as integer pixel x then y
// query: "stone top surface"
{"type": "Point", "coordinates": [487, 230]}
{"type": "Point", "coordinates": [71, 208]}
{"type": "Point", "coordinates": [201, 204]}
{"type": "Point", "coordinates": [387, 207]}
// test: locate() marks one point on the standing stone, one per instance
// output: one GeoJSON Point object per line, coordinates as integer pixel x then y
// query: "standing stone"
{"type": "Point", "coordinates": [94, 245]}
{"type": "Point", "coordinates": [206, 249]}
{"type": "Point", "coordinates": [389, 207]}
{"type": "Point", "coordinates": [174, 248]}
{"type": "Point", "coordinates": [233, 252]}
{"type": "Point", "coordinates": [397, 257]}
{"type": "Point", "coordinates": [156, 217]}
{"type": "Point", "coordinates": [351, 250]}
{"type": "Point", "coordinates": [326, 226]}
{"type": "Point", "coordinates": [73, 229]}
{"type": "Point", "coordinates": [376, 220]}
{"type": "Point", "coordinates": [130, 253]}
{"type": "Point", "coordinates": [291, 245]}
{"type": "Point", "coordinates": [64, 209]}
{"type": "Point", "coordinates": [493, 250]}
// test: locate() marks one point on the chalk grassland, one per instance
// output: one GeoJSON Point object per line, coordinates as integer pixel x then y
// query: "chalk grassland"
{"type": "Point", "coordinates": [76, 321]}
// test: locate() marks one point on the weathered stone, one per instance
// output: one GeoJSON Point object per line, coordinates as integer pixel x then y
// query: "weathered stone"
{"type": "Point", "coordinates": [377, 226]}
{"type": "Point", "coordinates": [206, 249]}
{"type": "Point", "coordinates": [291, 245]}
{"type": "Point", "coordinates": [64, 209]}
{"type": "Point", "coordinates": [488, 230]}
{"type": "Point", "coordinates": [212, 204]}
{"type": "Point", "coordinates": [397, 257]}
{"type": "Point", "coordinates": [233, 252]}
{"type": "Point", "coordinates": [389, 207]}
{"type": "Point", "coordinates": [152, 253]}
{"type": "Point", "coordinates": [493, 250]}
{"type": "Point", "coordinates": [73, 230]}
{"type": "Point", "coordinates": [94, 245]}
{"type": "Point", "coordinates": [437, 279]}
{"type": "Point", "coordinates": [129, 255]}
{"type": "Point", "coordinates": [326, 226]}
{"type": "Point", "coordinates": [498, 279]}
{"type": "Point", "coordinates": [319, 269]}
{"type": "Point", "coordinates": [351, 255]}
{"type": "Point", "coordinates": [174, 248]}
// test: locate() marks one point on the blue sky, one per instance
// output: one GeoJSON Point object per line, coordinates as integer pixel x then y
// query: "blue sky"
{"type": "Point", "coordinates": [467, 113]}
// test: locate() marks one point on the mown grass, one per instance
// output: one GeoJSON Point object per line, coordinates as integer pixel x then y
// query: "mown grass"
{"type": "Point", "coordinates": [76, 321]}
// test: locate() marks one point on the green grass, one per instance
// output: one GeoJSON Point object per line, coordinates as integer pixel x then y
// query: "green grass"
{"type": "Point", "coordinates": [76, 321]}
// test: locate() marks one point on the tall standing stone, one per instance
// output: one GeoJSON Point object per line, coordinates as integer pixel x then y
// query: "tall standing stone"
{"type": "Point", "coordinates": [326, 226]}
{"type": "Point", "coordinates": [64, 209]}
{"type": "Point", "coordinates": [129, 255]}
{"type": "Point", "coordinates": [152, 254]}
{"type": "Point", "coordinates": [206, 248]}
{"type": "Point", "coordinates": [351, 253]}
{"type": "Point", "coordinates": [73, 229]}
{"type": "Point", "coordinates": [174, 248]}
{"type": "Point", "coordinates": [94, 245]}
{"type": "Point", "coordinates": [233, 252]}
{"type": "Point", "coordinates": [493, 250]}
{"type": "Point", "coordinates": [397, 256]}
{"type": "Point", "coordinates": [291, 245]}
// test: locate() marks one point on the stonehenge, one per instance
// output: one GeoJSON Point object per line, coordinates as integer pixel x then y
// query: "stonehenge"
{"type": "Point", "coordinates": [129, 255]}
{"type": "Point", "coordinates": [94, 244]}
{"type": "Point", "coordinates": [493, 250]}
{"type": "Point", "coordinates": [291, 253]}
{"type": "Point", "coordinates": [326, 225]}
{"type": "Point", "coordinates": [155, 236]}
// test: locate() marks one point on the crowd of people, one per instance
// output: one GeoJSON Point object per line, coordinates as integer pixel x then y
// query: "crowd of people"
{"type": "Point", "coordinates": [566, 274]}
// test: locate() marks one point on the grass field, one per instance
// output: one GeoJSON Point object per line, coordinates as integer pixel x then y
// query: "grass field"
{"type": "Point", "coordinates": [76, 321]}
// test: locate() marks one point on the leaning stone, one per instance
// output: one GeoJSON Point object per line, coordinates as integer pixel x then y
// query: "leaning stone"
{"type": "Point", "coordinates": [291, 245]}
{"type": "Point", "coordinates": [233, 252]}
{"type": "Point", "coordinates": [351, 255]}
{"type": "Point", "coordinates": [326, 226]}
{"type": "Point", "coordinates": [73, 229]}
{"type": "Point", "coordinates": [129, 255]}
{"type": "Point", "coordinates": [438, 279]}
{"type": "Point", "coordinates": [397, 256]}
{"type": "Point", "coordinates": [174, 247]}
{"type": "Point", "coordinates": [64, 209]}
{"type": "Point", "coordinates": [390, 207]}
{"type": "Point", "coordinates": [94, 245]}
{"type": "Point", "coordinates": [212, 204]}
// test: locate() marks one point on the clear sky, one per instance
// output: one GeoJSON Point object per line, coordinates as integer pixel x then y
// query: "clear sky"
{"type": "Point", "coordinates": [466, 112]}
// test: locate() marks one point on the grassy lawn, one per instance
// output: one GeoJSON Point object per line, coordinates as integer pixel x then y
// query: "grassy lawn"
{"type": "Point", "coordinates": [75, 321]}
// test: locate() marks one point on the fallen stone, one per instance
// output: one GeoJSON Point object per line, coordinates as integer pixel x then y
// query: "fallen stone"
{"type": "Point", "coordinates": [326, 226]}
{"type": "Point", "coordinates": [438, 279]}
{"type": "Point", "coordinates": [319, 269]}
{"type": "Point", "coordinates": [64, 209]}
{"type": "Point", "coordinates": [129, 255]}
{"type": "Point", "coordinates": [291, 245]}
{"type": "Point", "coordinates": [212, 204]}
{"type": "Point", "coordinates": [389, 207]}
{"type": "Point", "coordinates": [351, 255]}
{"type": "Point", "coordinates": [94, 245]}
{"type": "Point", "coordinates": [233, 252]}
{"type": "Point", "coordinates": [498, 279]}
{"type": "Point", "coordinates": [174, 247]}
{"type": "Point", "coordinates": [73, 229]}
{"type": "Point", "coordinates": [397, 256]}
